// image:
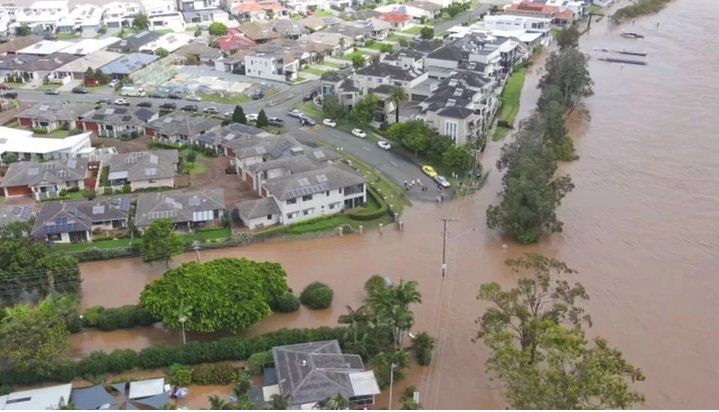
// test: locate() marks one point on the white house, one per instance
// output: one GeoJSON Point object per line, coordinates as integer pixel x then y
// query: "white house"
{"type": "Point", "coordinates": [42, 14]}
{"type": "Point", "coordinates": [272, 64]}
{"type": "Point", "coordinates": [89, 46]}
{"type": "Point", "coordinates": [51, 397]}
{"type": "Point", "coordinates": [302, 6]}
{"type": "Point", "coordinates": [169, 42]}
{"type": "Point", "coordinates": [119, 14]}
{"type": "Point", "coordinates": [24, 146]}
{"type": "Point", "coordinates": [171, 20]}
{"type": "Point", "coordinates": [85, 19]}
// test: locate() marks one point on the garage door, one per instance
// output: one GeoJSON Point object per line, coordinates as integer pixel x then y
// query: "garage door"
{"type": "Point", "coordinates": [19, 191]}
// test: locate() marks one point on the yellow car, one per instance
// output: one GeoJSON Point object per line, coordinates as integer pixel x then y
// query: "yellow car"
{"type": "Point", "coordinates": [429, 171]}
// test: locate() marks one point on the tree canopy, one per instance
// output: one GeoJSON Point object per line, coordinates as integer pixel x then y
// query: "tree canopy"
{"type": "Point", "coordinates": [568, 71]}
{"type": "Point", "coordinates": [160, 242]}
{"type": "Point", "coordinates": [238, 115]}
{"type": "Point", "coordinates": [459, 159]}
{"type": "Point", "coordinates": [31, 268]}
{"type": "Point", "coordinates": [357, 59]}
{"type": "Point", "coordinates": [537, 345]}
{"type": "Point", "coordinates": [217, 29]}
{"type": "Point", "coordinates": [568, 38]}
{"type": "Point", "coordinates": [365, 109]}
{"type": "Point", "coordinates": [262, 119]}
{"type": "Point", "coordinates": [140, 22]}
{"type": "Point", "coordinates": [398, 96]}
{"type": "Point", "coordinates": [222, 294]}
{"type": "Point", "coordinates": [413, 135]}
{"type": "Point", "coordinates": [426, 33]}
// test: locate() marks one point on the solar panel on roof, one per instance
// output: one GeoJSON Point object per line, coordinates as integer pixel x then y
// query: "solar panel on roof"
{"type": "Point", "coordinates": [194, 201]}
{"type": "Point", "coordinates": [303, 181]}
{"type": "Point", "coordinates": [33, 171]}
{"type": "Point", "coordinates": [321, 178]}
{"type": "Point", "coordinates": [72, 163]}
{"type": "Point", "coordinates": [151, 171]}
{"type": "Point", "coordinates": [98, 209]}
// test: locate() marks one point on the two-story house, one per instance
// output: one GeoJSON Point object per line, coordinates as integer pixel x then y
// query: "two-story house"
{"type": "Point", "coordinates": [44, 180]}
{"type": "Point", "coordinates": [79, 221]}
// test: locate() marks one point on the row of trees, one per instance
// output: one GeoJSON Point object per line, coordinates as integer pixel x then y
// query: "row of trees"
{"type": "Point", "coordinates": [538, 347]}
{"type": "Point", "coordinates": [531, 191]}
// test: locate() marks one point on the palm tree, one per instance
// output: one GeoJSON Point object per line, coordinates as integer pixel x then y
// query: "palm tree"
{"type": "Point", "coordinates": [398, 96]}
{"type": "Point", "coordinates": [339, 402]}
{"type": "Point", "coordinates": [183, 313]}
{"type": "Point", "coordinates": [354, 319]}
{"type": "Point", "coordinates": [279, 402]}
{"type": "Point", "coordinates": [217, 403]}
{"type": "Point", "coordinates": [390, 307]}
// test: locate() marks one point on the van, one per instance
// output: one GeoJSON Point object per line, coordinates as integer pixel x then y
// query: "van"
{"type": "Point", "coordinates": [132, 91]}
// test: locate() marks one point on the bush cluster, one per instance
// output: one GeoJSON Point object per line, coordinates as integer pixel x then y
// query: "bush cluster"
{"type": "Point", "coordinates": [89, 255]}
{"type": "Point", "coordinates": [317, 295]}
{"type": "Point", "coordinates": [371, 214]}
{"type": "Point", "coordinates": [128, 316]}
{"type": "Point", "coordinates": [161, 356]}
{"type": "Point", "coordinates": [286, 303]}
{"type": "Point", "coordinates": [221, 373]}
{"type": "Point", "coordinates": [179, 375]}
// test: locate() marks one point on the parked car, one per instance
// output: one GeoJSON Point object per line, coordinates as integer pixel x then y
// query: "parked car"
{"type": "Point", "coordinates": [10, 95]}
{"type": "Point", "coordinates": [121, 102]}
{"type": "Point", "coordinates": [194, 98]}
{"type": "Point", "coordinates": [168, 106]}
{"type": "Point", "coordinates": [276, 122]}
{"type": "Point", "coordinates": [257, 95]}
{"type": "Point", "coordinates": [144, 104]}
{"type": "Point", "coordinates": [229, 114]}
{"type": "Point", "coordinates": [359, 133]}
{"type": "Point", "coordinates": [442, 181]}
{"type": "Point", "coordinates": [52, 92]}
{"type": "Point", "coordinates": [174, 97]}
{"type": "Point", "coordinates": [113, 83]}
{"type": "Point", "coordinates": [329, 123]}
{"type": "Point", "coordinates": [383, 144]}
{"type": "Point", "coordinates": [306, 121]}
{"type": "Point", "coordinates": [104, 101]}
{"type": "Point", "coordinates": [211, 110]}
{"type": "Point", "coordinates": [252, 117]}
{"type": "Point", "coordinates": [429, 171]}
{"type": "Point", "coordinates": [79, 90]}
{"type": "Point", "coordinates": [156, 96]}
{"type": "Point", "coordinates": [295, 113]}
{"type": "Point", "coordinates": [308, 97]}
{"type": "Point", "coordinates": [189, 108]}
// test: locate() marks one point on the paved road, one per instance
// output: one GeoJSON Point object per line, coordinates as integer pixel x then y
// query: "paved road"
{"type": "Point", "coordinates": [471, 14]}
{"type": "Point", "coordinates": [395, 167]}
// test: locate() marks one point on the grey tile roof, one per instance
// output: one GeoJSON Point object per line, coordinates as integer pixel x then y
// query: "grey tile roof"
{"type": "Point", "coordinates": [226, 134]}
{"type": "Point", "coordinates": [311, 372]}
{"type": "Point", "coordinates": [134, 42]}
{"type": "Point", "coordinates": [63, 217]}
{"type": "Point", "coordinates": [30, 62]}
{"type": "Point", "coordinates": [51, 172]}
{"type": "Point", "coordinates": [52, 112]}
{"type": "Point", "coordinates": [177, 206]}
{"type": "Point", "coordinates": [456, 112]}
{"type": "Point", "coordinates": [272, 147]}
{"type": "Point", "coordinates": [311, 182]}
{"type": "Point", "coordinates": [287, 27]}
{"type": "Point", "coordinates": [389, 70]}
{"type": "Point", "coordinates": [184, 124]}
{"type": "Point", "coordinates": [350, 29]}
{"type": "Point", "coordinates": [252, 209]}
{"type": "Point", "coordinates": [293, 164]}
{"type": "Point", "coordinates": [10, 214]}
{"type": "Point", "coordinates": [114, 115]}
{"type": "Point", "coordinates": [139, 166]}
{"type": "Point", "coordinates": [200, 50]}
{"type": "Point", "coordinates": [426, 46]}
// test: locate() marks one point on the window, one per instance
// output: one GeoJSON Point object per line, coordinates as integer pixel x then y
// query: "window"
{"type": "Point", "coordinates": [328, 193]}
{"type": "Point", "coordinates": [306, 198]}
{"type": "Point", "coordinates": [308, 212]}
{"type": "Point", "coordinates": [269, 217]}
{"type": "Point", "coordinates": [291, 201]}
{"type": "Point", "coordinates": [291, 215]}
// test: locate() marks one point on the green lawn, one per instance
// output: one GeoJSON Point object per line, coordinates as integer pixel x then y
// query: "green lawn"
{"type": "Point", "coordinates": [101, 244]}
{"type": "Point", "coordinates": [510, 96]}
{"type": "Point", "coordinates": [499, 133]}
{"type": "Point", "coordinates": [241, 99]}
{"type": "Point", "coordinates": [59, 133]}
{"type": "Point", "coordinates": [323, 13]}
{"type": "Point", "coordinates": [375, 45]}
{"type": "Point", "coordinates": [205, 235]}
{"type": "Point", "coordinates": [414, 29]}
{"type": "Point", "coordinates": [49, 86]}
{"type": "Point", "coordinates": [66, 36]}
{"type": "Point", "coordinates": [310, 70]}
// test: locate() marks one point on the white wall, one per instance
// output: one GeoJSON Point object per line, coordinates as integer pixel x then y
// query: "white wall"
{"type": "Point", "coordinates": [144, 184]}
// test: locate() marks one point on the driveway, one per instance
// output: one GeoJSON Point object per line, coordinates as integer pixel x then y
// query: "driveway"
{"type": "Point", "coordinates": [215, 177]}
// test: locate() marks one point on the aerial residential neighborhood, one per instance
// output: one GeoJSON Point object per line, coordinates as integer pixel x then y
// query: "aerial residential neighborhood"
{"type": "Point", "coordinates": [326, 204]}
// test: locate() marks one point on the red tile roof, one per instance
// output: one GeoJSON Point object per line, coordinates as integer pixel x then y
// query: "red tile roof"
{"type": "Point", "coordinates": [533, 8]}
{"type": "Point", "coordinates": [234, 40]}
{"type": "Point", "coordinates": [394, 17]}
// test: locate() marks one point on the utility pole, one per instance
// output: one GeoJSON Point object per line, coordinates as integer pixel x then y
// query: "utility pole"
{"type": "Point", "coordinates": [444, 245]}
{"type": "Point", "coordinates": [392, 366]}
{"type": "Point", "coordinates": [196, 246]}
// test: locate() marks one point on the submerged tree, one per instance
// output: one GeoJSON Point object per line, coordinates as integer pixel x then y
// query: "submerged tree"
{"type": "Point", "coordinates": [538, 348]}
{"type": "Point", "coordinates": [568, 71]}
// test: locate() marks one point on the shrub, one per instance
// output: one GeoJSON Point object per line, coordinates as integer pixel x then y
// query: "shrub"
{"type": "Point", "coordinates": [89, 318]}
{"type": "Point", "coordinates": [191, 156]}
{"type": "Point", "coordinates": [121, 360]}
{"type": "Point", "coordinates": [214, 373]}
{"type": "Point", "coordinates": [423, 345]}
{"type": "Point", "coordinates": [286, 303]}
{"type": "Point", "coordinates": [242, 383]}
{"type": "Point", "coordinates": [179, 375]}
{"type": "Point", "coordinates": [257, 362]}
{"type": "Point", "coordinates": [316, 295]}
{"type": "Point", "coordinates": [128, 316]}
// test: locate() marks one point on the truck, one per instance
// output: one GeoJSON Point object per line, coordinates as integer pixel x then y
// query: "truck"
{"type": "Point", "coordinates": [132, 91]}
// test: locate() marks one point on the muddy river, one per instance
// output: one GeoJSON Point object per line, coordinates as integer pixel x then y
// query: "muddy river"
{"type": "Point", "coordinates": [641, 228]}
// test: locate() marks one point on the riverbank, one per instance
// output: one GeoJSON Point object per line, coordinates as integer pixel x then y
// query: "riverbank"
{"type": "Point", "coordinates": [638, 9]}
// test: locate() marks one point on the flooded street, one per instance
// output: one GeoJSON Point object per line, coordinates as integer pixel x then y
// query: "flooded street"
{"type": "Point", "coordinates": [641, 228]}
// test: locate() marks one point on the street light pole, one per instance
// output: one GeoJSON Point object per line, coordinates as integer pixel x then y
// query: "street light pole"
{"type": "Point", "coordinates": [391, 382]}
{"type": "Point", "coordinates": [444, 245]}
{"type": "Point", "coordinates": [182, 320]}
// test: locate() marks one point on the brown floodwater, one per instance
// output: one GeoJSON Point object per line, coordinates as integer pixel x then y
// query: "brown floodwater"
{"type": "Point", "coordinates": [641, 228]}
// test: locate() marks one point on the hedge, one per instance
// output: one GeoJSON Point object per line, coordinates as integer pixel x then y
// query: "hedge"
{"type": "Point", "coordinates": [285, 304]}
{"type": "Point", "coordinates": [221, 373]}
{"type": "Point", "coordinates": [317, 295]}
{"type": "Point", "coordinates": [161, 356]}
{"type": "Point", "coordinates": [128, 316]}
{"type": "Point", "coordinates": [371, 214]}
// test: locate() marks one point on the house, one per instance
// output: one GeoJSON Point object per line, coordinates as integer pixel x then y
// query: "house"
{"type": "Point", "coordinates": [142, 170]}
{"type": "Point", "coordinates": [79, 221]}
{"type": "Point", "coordinates": [42, 15]}
{"type": "Point", "coordinates": [119, 14]}
{"type": "Point", "coordinates": [202, 52]}
{"type": "Point", "coordinates": [18, 43]}
{"type": "Point", "coordinates": [24, 146]}
{"type": "Point", "coordinates": [169, 42]}
{"type": "Point", "coordinates": [348, 94]}
{"type": "Point", "coordinates": [560, 16]}
{"type": "Point", "coordinates": [428, 11]}
{"type": "Point", "coordinates": [186, 211]}
{"type": "Point", "coordinates": [255, 11]}
{"type": "Point", "coordinates": [203, 18]}
{"type": "Point", "coordinates": [28, 67]}
{"type": "Point", "coordinates": [48, 117]}
{"type": "Point", "coordinates": [180, 127]}
{"type": "Point", "coordinates": [307, 373]}
{"type": "Point", "coordinates": [431, 10]}
{"type": "Point", "coordinates": [258, 33]}
{"type": "Point", "coordinates": [133, 43]}
{"type": "Point", "coordinates": [258, 173]}
{"type": "Point", "coordinates": [89, 46]}
{"type": "Point", "coordinates": [303, 6]}
{"type": "Point", "coordinates": [379, 29]}
{"type": "Point", "coordinates": [93, 398]}
{"type": "Point", "coordinates": [407, 59]}
{"type": "Point", "coordinates": [358, 33]}
{"type": "Point", "coordinates": [315, 23]}
{"type": "Point", "coordinates": [50, 397]}
{"type": "Point", "coordinates": [234, 41]}
{"type": "Point", "coordinates": [128, 64]}
{"type": "Point", "coordinates": [217, 139]}
{"type": "Point", "coordinates": [289, 29]}
{"type": "Point", "coordinates": [44, 180]}
{"type": "Point", "coordinates": [314, 193]}
{"type": "Point", "coordinates": [45, 47]}
{"type": "Point", "coordinates": [77, 68]}
{"type": "Point", "coordinates": [85, 19]}
{"type": "Point", "coordinates": [488, 56]}
{"type": "Point", "coordinates": [258, 213]}
{"type": "Point", "coordinates": [378, 74]}
{"type": "Point", "coordinates": [531, 31]}
{"type": "Point", "coordinates": [397, 20]}
{"type": "Point", "coordinates": [12, 214]}
{"type": "Point", "coordinates": [117, 122]}
{"type": "Point", "coordinates": [272, 63]}
{"type": "Point", "coordinates": [169, 20]}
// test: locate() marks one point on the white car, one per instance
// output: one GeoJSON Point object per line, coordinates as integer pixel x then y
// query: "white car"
{"type": "Point", "coordinates": [113, 82]}
{"type": "Point", "coordinates": [442, 181]}
{"type": "Point", "coordinates": [121, 102]}
{"type": "Point", "coordinates": [229, 114]}
{"type": "Point", "coordinates": [384, 144]}
{"type": "Point", "coordinates": [252, 117]}
{"type": "Point", "coordinates": [359, 133]}
{"type": "Point", "coordinates": [194, 98]}
{"type": "Point", "coordinates": [329, 123]}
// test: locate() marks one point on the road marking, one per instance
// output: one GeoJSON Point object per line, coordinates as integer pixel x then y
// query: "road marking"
{"type": "Point", "coordinates": [393, 164]}
{"type": "Point", "coordinates": [367, 148]}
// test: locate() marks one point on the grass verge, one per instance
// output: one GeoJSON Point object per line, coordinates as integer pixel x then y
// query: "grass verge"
{"type": "Point", "coordinates": [225, 99]}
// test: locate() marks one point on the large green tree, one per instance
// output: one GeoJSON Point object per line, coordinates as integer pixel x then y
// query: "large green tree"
{"type": "Point", "coordinates": [30, 267]}
{"type": "Point", "coordinates": [222, 294]}
{"type": "Point", "coordinates": [358, 60]}
{"type": "Point", "coordinates": [537, 345]}
{"type": "Point", "coordinates": [568, 71]}
{"type": "Point", "coordinates": [365, 109]}
{"type": "Point", "coordinates": [140, 22]}
{"type": "Point", "coordinates": [262, 119]}
{"type": "Point", "coordinates": [414, 135]}
{"type": "Point", "coordinates": [399, 97]}
{"type": "Point", "coordinates": [459, 159]}
{"type": "Point", "coordinates": [531, 193]}
{"type": "Point", "coordinates": [217, 29]}
{"type": "Point", "coordinates": [568, 38]}
{"type": "Point", "coordinates": [390, 306]}
{"type": "Point", "coordinates": [160, 242]}
{"type": "Point", "coordinates": [238, 115]}
{"type": "Point", "coordinates": [32, 339]}
{"type": "Point", "coordinates": [332, 108]}
{"type": "Point", "coordinates": [426, 33]}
